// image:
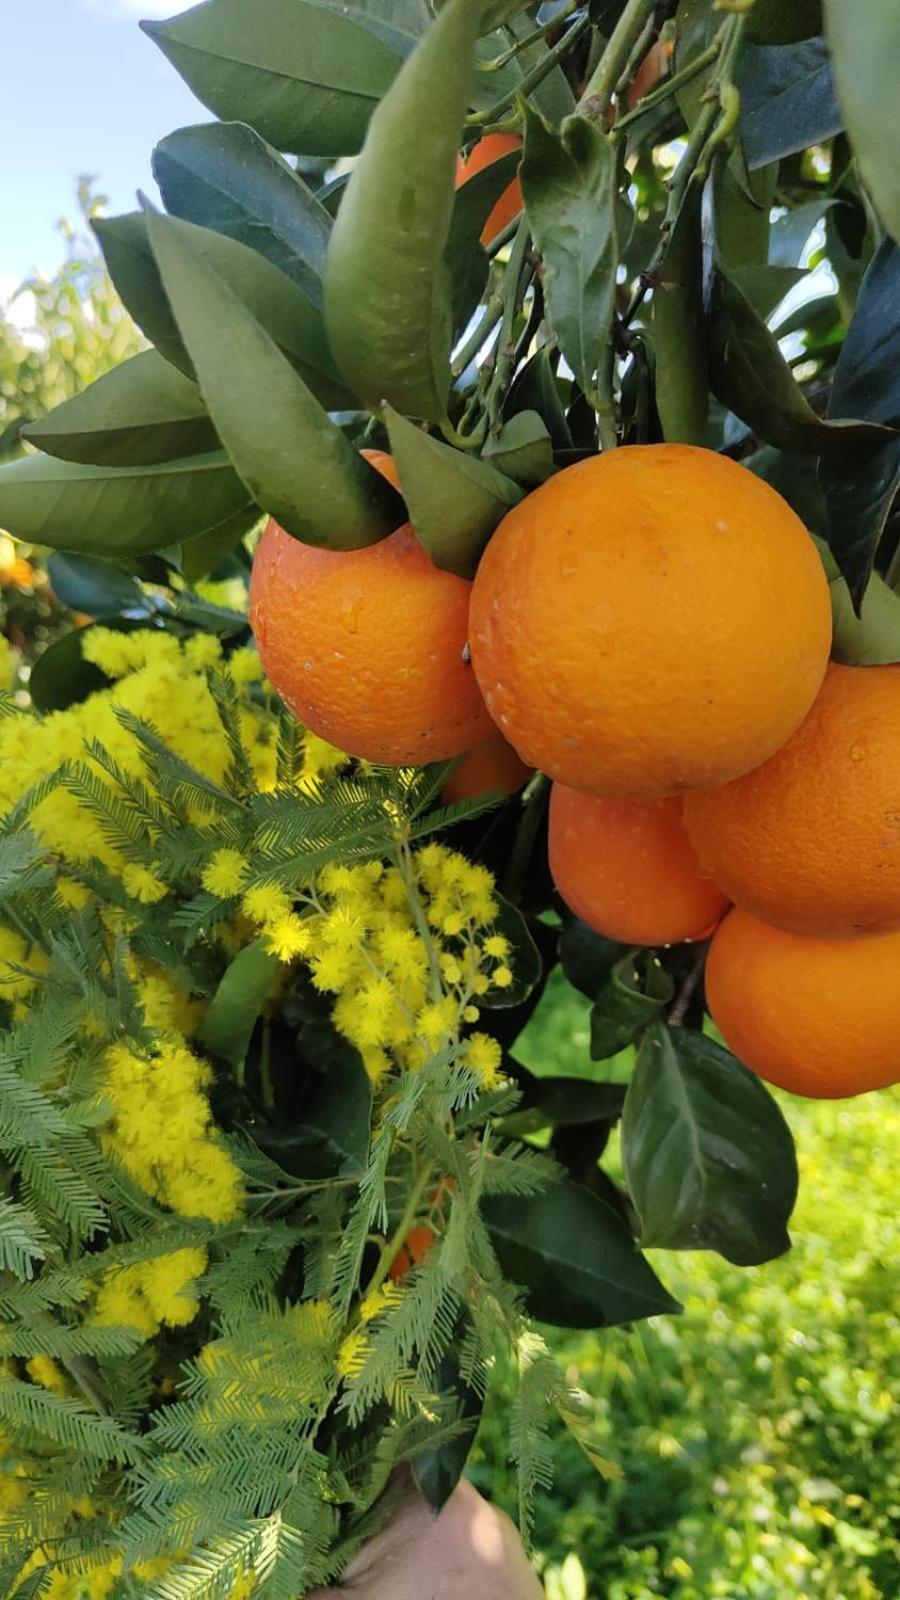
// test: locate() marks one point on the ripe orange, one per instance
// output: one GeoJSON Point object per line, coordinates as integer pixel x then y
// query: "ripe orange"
{"type": "Point", "coordinates": [367, 647]}
{"type": "Point", "coordinates": [811, 839]}
{"type": "Point", "coordinates": [650, 620]}
{"type": "Point", "coordinates": [820, 1017]}
{"type": "Point", "coordinates": [626, 868]}
{"type": "Point", "coordinates": [383, 463]}
{"type": "Point", "coordinates": [654, 65]}
{"type": "Point", "coordinates": [484, 154]}
{"type": "Point", "coordinates": [415, 1248]}
{"type": "Point", "coordinates": [493, 764]}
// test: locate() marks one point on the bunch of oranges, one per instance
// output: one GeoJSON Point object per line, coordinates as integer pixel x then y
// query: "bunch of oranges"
{"type": "Point", "coordinates": [651, 629]}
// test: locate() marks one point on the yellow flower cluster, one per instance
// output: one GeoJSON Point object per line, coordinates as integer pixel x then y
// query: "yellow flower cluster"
{"type": "Point", "coordinates": [150, 1294]}
{"type": "Point", "coordinates": [405, 953]}
{"type": "Point", "coordinates": [161, 1130]}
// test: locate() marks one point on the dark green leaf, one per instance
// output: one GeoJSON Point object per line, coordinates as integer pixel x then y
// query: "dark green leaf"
{"type": "Point", "coordinates": [465, 256]}
{"type": "Point", "coordinates": [552, 96]}
{"type": "Point", "coordinates": [332, 1138]}
{"type": "Point", "coordinates": [237, 1003]}
{"type": "Point", "coordinates": [536, 389]}
{"type": "Point", "coordinates": [741, 204]}
{"type": "Point", "coordinates": [95, 587]}
{"type": "Point", "coordinates": [388, 292]}
{"type": "Point", "coordinates": [307, 77]}
{"type": "Point", "coordinates": [399, 23]}
{"type": "Point", "coordinates": [61, 677]}
{"type": "Point", "coordinates": [200, 556]}
{"type": "Point", "coordinates": [788, 99]}
{"type": "Point", "coordinates": [140, 413]}
{"type": "Point", "coordinates": [110, 511]}
{"type": "Point", "coordinates": [860, 489]}
{"type": "Point", "coordinates": [522, 449]}
{"type": "Point", "coordinates": [750, 376]}
{"type": "Point", "coordinates": [587, 958]}
{"type": "Point", "coordinates": [524, 959]}
{"type": "Point", "coordinates": [695, 26]}
{"type": "Point", "coordinates": [774, 22]}
{"type": "Point", "coordinates": [573, 1255]}
{"type": "Point", "coordinates": [569, 183]}
{"type": "Point", "coordinates": [765, 287]}
{"type": "Point", "coordinates": [636, 992]}
{"type": "Point", "coordinates": [708, 1156]}
{"type": "Point", "coordinates": [438, 1469]}
{"type": "Point", "coordinates": [294, 460]}
{"type": "Point", "coordinates": [562, 1103]}
{"type": "Point", "coordinates": [455, 500]}
{"type": "Point", "coordinates": [796, 479]}
{"type": "Point", "coordinates": [289, 317]}
{"type": "Point", "coordinates": [225, 177]}
{"type": "Point", "coordinates": [866, 48]}
{"type": "Point", "coordinates": [790, 232]}
{"type": "Point", "coordinates": [679, 332]}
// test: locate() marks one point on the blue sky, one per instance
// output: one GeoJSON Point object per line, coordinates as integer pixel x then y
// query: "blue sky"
{"type": "Point", "coordinates": [82, 90]}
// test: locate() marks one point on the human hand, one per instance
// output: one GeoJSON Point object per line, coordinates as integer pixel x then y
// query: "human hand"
{"type": "Point", "coordinates": [470, 1551]}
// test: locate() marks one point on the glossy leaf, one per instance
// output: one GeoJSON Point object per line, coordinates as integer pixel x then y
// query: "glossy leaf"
{"type": "Point", "coordinates": [552, 97]}
{"type": "Point", "coordinates": [202, 555]}
{"type": "Point", "coordinates": [636, 992]}
{"type": "Point", "coordinates": [708, 1157]}
{"type": "Point", "coordinates": [536, 389]}
{"type": "Point", "coordinates": [307, 77]}
{"type": "Point", "coordinates": [96, 588]}
{"type": "Point", "coordinates": [569, 183]}
{"type": "Point", "coordinates": [750, 376]}
{"type": "Point", "coordinates": [332, 1137]}
{"type": "Point", "coordinates": [295, 461]}
{"type": "Point", "coordinates": [60, 676]}
{"type": "Point", "coordinates": [438, 1468]}
{"type": "Point", "coordinates": [109, 511]}
{"type": "Point", "coordinates": [741, 205]}
{"type": "Point", "coordinates": [788, 99]}
{"type": "Point", "coordinates": [289, 317]}
{"type": "Point", "coordinates": [860, 489]}
{"type": "Point", "coordinates": [522, 449]}
{"type": "Point", "coordinates": [388, 292]}
{"type": "Point", "coordinates": [796, 479]}
{"type": "Point", "coordinates": [465, 255]}
{"type": "Point", "coordinates": [562, 1103]}
{"type": "Point", "coordinates": [399, 23]}
{"type": "Point", "coordinates": [236, 1005]}
{"type": "Point", "coordinates": [587, 958]}
{"type": "Point", "coordinates": [524, 959]}
{"type": "Point", "coordinates": [225, 177]}
{"type": "Point", "coordinates": [454, 500]}
{"type": "Point", "coordinates": [774, 22]}
{"type": "Point", "coordinates": [679, 332]}
{"type": "Point", "coordinates": [695, 26]}
{"type": "Point", "coordinates": [866, 47]}
{"type": "Point", "coordinates": [765, 287]}
{"type": "Point", "coordinates": [141, 412]}
{"type": "Point", "coordinates": [576, 1260]}
{"type": "Point", "coordinates": [790, 233]}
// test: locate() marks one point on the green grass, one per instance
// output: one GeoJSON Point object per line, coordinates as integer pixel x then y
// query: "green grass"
{"type": "Point", "coordinates": [753, 1441]}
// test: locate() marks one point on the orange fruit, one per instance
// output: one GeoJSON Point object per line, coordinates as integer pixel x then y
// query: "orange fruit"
{"type": "Point", "coordinates": [811, 839]}
{"type": "Point", "coordinates": [493, 764]}
{"type": "Point", "coordinates": [653, 67]}
{"type": "Point", "coordinates": [383, 463]}
{"type": "Point", "coordinates": [415, 1248]}
{"type": "Point", "coordinates": [652, 619]}
{"type": "Point", "coordinates": [626, 868]}
{"type": "Point", "coordinates": [488, 150]}
{"type": "Point", "coordinates": [368, 647]}
{"type": "Point", "coordinates": [820, 1017]}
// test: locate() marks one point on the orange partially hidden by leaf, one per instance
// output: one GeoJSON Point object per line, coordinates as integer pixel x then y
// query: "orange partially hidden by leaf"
{"type": "Point", "coordinates": [368, 647]}
{"type": "Point", "coordinates": [818, 1017]}
{"type": "Point", "coordinates": [654, 66]}
{"type": "Point", "coordinates": [383, 463]}
{"type": "Point", "coordinates": [488, 150]}
{"type": "Point", "coordinates": [626, 868]}
{"type": "Point", "coordinates": [491, 765]}
{"type": "Point", "coordinates": [415, 1248]}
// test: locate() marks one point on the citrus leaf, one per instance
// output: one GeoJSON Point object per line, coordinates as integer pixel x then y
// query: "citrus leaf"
{"type": "Point", "coordinates": [790, 233]}
{"type": "Point", "coordinates": [587, 958]}
{"type": "Point", "coordinates": [118, 510]}
{"type": "Point", "coordinates": [399, 23]}
{"type": "Point", "coordinates": [61, 677]}
{"type": "Point", "coordinates": [223, 176]}
{"type": "Point", "coordinates": [766, 287]}
{"type": "Point", "coordinates": [552, 96]}
{"type": "Point", "coordinates": [679, 333]}
{"type": "Point", "coordinates": [574, 1257]}
{"type": "Point", "coordinates": [305, 76]}
{"type": "Point", "coordinates": [465, 255]}
{"type": "Point", "coordinates": [96, 588]}
{"type": "Point", "coordinates": [873, 637]}
{"type": "Point", "coordinates": [455, 501]}
{"type": "Point", "coordinates": [291, 319]}
{"type": "Point", "coordinates": [522, 449]}
{"type": "Point", "coordinates": [524, 959]}
{"type": "Point", "coordinates": [332, 1136]}
{"type": "Point", "coordinates": [141, 412]}
{"type": "Point", "coordinates": [860, 488]}
{"type": "Point", "coordinates": [388, 292]}
{"type": "Point", "coordinates": [788, 99]}
{"type": "Point", "coordinates": [236, 1005]}
{"type": "Point", "coordinates": [636, 992]}
{"type": "Point", "coordinates": [295, 461]}
{"type": "Point", "coordinates": [438, 1468]}
{"type": "Point", "coordinates": [708, 1157]}
{"type": "Point", "coordinates": [569, 183]}
{"type": "Point", "coordinates": [866, 50]}
{"type": "Point", "coordinates": [750, 376]}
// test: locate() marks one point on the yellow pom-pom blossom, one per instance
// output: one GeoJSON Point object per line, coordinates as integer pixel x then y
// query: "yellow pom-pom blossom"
{"type": "Point", "coordinates": [152, 1294]}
